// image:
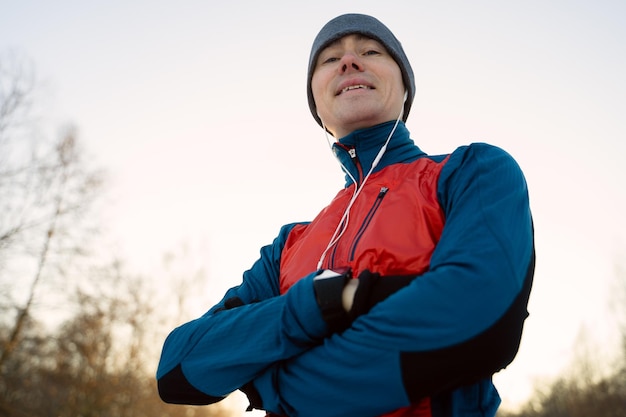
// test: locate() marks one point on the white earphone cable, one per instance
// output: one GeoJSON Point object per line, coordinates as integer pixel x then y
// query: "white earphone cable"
{"type": "Point", "coordinates": [345, 218]}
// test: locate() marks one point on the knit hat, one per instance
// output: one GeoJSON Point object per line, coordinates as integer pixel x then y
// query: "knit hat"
{"type": "Point", "coordinates": [370, 27]}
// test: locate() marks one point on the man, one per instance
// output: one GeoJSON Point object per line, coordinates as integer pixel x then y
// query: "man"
{"type": "Point", "coordinates": [403, 296]}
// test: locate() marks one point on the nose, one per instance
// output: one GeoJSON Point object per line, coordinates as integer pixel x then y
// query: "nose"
{"type": "Point", "coordinates": [350, 62]}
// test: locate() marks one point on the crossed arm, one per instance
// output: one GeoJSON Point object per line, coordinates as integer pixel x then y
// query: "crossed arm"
{"type": "Point", "coordinates": [283, 351]}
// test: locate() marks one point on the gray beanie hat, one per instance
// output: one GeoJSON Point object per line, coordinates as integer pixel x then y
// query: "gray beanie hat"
{"type": "Point", "coordinates": [371, 27]}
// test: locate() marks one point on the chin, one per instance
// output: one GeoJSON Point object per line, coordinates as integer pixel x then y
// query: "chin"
{"type": "Point", "coordinates": [362, 116]}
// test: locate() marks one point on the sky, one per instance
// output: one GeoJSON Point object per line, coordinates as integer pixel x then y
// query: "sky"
{"type": "Point", "coordinates": [198, 112]}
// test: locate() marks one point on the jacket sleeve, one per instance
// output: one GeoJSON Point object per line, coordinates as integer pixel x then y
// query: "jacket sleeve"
{"type": "Point", "coordinates": [456, 324]}
{"type": "Point", "coordinates": [251, 328]}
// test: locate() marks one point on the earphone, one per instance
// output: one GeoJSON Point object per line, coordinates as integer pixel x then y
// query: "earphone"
{"type": "Point", "coordinates": [345, 218]}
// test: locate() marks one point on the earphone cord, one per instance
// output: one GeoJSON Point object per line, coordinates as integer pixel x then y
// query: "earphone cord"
{"type": "Point", "coordinates": [345, 218]}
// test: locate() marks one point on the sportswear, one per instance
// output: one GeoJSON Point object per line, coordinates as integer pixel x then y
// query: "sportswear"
{"type": "Point", "coordinates": [459, 223]}
{"type": "Point", "coordinates": [370, 27]}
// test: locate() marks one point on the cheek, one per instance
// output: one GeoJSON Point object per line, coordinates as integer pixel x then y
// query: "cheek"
{"type": "Point", "coordinates": [390, 72]}
{"type": "Point", "coordinates": [396, 88]}
{"type": "Point", "coordinates": [396, 75]}
{"type": "Point", "coordinates": [318, 88]}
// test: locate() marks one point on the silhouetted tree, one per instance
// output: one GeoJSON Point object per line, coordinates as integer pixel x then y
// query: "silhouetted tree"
{"type": "Point", "coordinates": [90, 365]}
{"type": "Point", "coordinates": [584, 391]}
{"type": "Point", "coordinates": [47, 189]}
{"type": "Point", "coordinates": [100, 360]}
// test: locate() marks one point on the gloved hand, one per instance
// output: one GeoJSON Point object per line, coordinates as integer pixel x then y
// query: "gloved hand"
{"type": "Point", "coordinates": [343, 298]}
{"type": "Point", "coordinates": [373, 288]}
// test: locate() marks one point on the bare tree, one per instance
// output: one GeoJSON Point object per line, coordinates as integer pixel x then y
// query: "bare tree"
{"type": "Point", "coordinates": [94, 364]}
{"type": "Point", "coordinates": [46, 189]}
{"type": "Point", "coordinates": [584, 389]}
{"type": "Point", "coordinates": [100, 360]}
{"type": "Point", "coordinates": [16, 93]}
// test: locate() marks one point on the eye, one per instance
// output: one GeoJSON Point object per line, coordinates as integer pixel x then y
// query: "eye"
{"type": "Point", "coordinates": [371, 52]}
{"type": "Point", "coordinates": [330, 59]}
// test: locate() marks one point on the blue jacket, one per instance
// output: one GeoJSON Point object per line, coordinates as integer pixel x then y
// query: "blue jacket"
{"type": "Point", "coordinates": [459, 223]}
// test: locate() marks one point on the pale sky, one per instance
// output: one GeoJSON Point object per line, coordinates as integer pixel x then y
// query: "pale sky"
{"type": "Point", "coordinates": [199, 113]}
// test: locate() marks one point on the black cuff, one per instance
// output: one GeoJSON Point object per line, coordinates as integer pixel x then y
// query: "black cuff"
{"type": "Point", "coordinates": [174, 388]}
{"type": "Point", "coordinates": [328, 286]}
{"type": "Point", "coordinates": [253, 396]}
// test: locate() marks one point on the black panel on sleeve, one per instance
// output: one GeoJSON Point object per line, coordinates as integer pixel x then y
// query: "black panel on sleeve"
{"type": "Point", "coordinates": [175, 389]}
{"type": "Point", "coordinates": [431, 372]}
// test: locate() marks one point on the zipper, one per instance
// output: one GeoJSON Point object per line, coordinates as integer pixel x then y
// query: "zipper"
{"type": "Point", "coordinates": [370, 215]}
{"type": "Point", "coordinates": [357, 164]}
{"type": "Point", "coordinates": [381, 194]}
{"type": "Point", "coordinates": [368, 219]}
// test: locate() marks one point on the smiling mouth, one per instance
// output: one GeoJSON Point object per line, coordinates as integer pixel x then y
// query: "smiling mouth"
{"type": "Point", "coordinates": [355, 87]}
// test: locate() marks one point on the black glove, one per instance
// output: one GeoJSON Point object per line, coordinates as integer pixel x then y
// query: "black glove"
{"type": "Point", "coordinates": [328, 286]}
{"type": "Point", "coordinates": [373, 289]}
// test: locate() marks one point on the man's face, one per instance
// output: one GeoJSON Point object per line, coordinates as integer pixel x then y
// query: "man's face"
{"type": "Point", "coordinates": [356, 84]}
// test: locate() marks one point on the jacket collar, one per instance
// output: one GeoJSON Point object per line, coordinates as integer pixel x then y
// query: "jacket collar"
{"type": "Point", "coordinates": [365, 144]}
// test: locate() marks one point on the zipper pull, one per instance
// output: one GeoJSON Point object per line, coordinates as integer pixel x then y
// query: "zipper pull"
{"type": "Point", "coordinates": [382, 192]}
{"type": "Point", "coordinates": [357, 164]}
